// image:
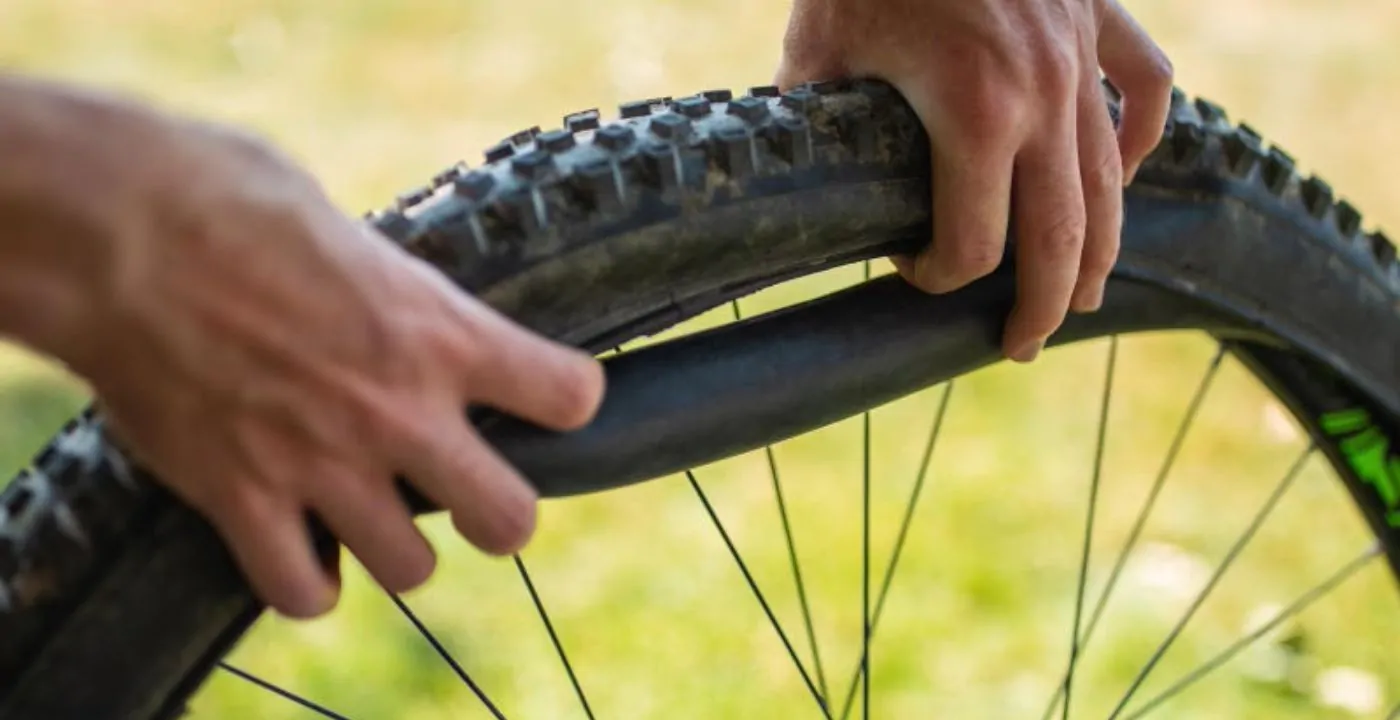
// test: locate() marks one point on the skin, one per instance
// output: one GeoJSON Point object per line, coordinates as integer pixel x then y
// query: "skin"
{"type": "Point", "coordinates": [268, 357]}
{"type": "Point", "coordinates": [1009, 92]}
{"type": "Point", "coordinates": [264, 354]}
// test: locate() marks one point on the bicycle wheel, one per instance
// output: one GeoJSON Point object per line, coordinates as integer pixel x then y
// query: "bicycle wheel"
{"type": "Point", "coordinates": [116, 601]}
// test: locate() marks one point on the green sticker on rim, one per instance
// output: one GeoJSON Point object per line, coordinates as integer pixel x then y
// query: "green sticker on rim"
{"type": "Point", "coordinates": [1368, 452]}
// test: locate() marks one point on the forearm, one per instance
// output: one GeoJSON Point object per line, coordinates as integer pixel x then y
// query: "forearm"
{"type": "Point", "coordinates": [73, 166]}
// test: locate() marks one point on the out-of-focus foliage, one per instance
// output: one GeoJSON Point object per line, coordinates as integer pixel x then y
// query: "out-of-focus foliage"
{"type": "Point", "coordinates": [375, 95]}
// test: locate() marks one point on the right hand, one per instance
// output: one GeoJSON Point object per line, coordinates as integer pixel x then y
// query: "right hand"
{"type": "Point", "coordinates": [267, 356]}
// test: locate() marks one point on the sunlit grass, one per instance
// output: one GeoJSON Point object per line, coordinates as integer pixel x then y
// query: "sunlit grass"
{"type": "Point", "coordinates": [374, 95]}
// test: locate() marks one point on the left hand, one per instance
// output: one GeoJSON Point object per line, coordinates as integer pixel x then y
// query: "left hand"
{"type": "Point", "coordinates": [1010, 95]}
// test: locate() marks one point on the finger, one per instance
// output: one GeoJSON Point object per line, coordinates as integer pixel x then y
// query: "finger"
{"type": "Point", "coordinates": [271, 542]}
{"type": "Point", "coordinates": [367, 515]}
{"type": "Point", "coordinates": [807, 55]}
{"type": "Point", "coordinates": [515, 369]}
{"type": "Point", "coordinates": [1143, 74]}
{"type": "Point", "coordinates": [1101, 172]}
{"type": "Point", "coordinates": [537, 379]}
{"type": "Point", "coordinates": [1050, 224]}
{"type": "Point", "coordinates": [972, 168]}
{"type": "Point", "coordinates": [491, 505]}
{"type": "Point", "coordinates": [971, 204]}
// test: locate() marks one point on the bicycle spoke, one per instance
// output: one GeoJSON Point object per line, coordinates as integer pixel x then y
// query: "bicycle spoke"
{"type": "Point", "coordinates": [758, 594]}
{"type": "Point", "coordinates": [554, 638]}
{"type": "Point", "coordinates": [309, 705]}
{"type": "Point", "coordinates": [865, 574]}
{"type": "Point", "coordinates": [865, 556]}
{"type": "Point", "coordinates": [904, 525]}
{"type": "Point", "coordinates": [1297, 606]}
{"type": "Point", "coordinates": [1178, 439]}
{"type": "Point", "coordinates": [446, 656]}
{"type": "Point", "coordinates": [792, 554]}
{"type": "Point", "coordinates": [797, 573]}
{"type": "Point", "coordinates": [1230, 557]}
{"type": "Point", "coordinates": [1111, 366]}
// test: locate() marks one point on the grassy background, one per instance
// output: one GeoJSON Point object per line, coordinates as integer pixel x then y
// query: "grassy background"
{"type": "Point", "coordinates": [375, 95]}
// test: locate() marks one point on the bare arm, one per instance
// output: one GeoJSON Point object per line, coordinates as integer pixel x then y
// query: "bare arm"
{"type": "Point", "coordinates": [60, 206]}
{"type": "Point", "coordinates": [263, 353]}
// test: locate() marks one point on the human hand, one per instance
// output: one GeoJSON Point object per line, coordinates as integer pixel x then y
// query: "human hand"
{"type": "Point", "coordinates": [267, 356]}
{"type": "Point", "coordinates": [1010, 95]}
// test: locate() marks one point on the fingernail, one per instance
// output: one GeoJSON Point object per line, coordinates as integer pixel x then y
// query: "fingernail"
{"type": "Point", "coordinates": [505, 522]}
{"type": "Point", "coordinates": [1088, 300]}
{"type": "Point", "coordinates": [517, 526]}
{"type": "Point", "coordinates": [930, 275]}
{"type": "Point", "coordinates": [1028, 352]}
{"type": "Point", "coordinates": [1130, 173]}
{"type": "Point", "coordinates": [312, 602]}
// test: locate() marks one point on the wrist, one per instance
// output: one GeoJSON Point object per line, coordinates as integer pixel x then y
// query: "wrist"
{"type": "Point", "coordinates": [74, 191]}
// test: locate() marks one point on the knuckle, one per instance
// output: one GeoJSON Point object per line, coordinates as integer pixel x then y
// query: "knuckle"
{"type": "Point", "coordinates": [973, 259]}
{"type": "Point", "coordinates": [457, 458]}
{"type": "Point", "coordinates": [383, 428]}
{"type": "Point", "coordinates": [990, 111]}
{"type": "Point", "coordinates": [1099, 260]}
{"type": "Point", "coordinates": [1103, 176]}
{"type": "Point", "coordinates": [1056, 72]}
{"type": "Point", "coordinates": [376, 425]}
{"type": "Point", "coordinates": [1062, 239]}
{"type": "Point", "coordinates": [228, 499]}
{"type": "Point", "coordinates": [1045, 324]}
{"type": "Point", "coordinates": [475, 352]}
{"type": "Point", "coordinates": [1158, 71]}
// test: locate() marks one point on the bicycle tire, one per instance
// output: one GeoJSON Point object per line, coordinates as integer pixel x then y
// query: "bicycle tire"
{"type": "Point", "coordinates": [116, 600]}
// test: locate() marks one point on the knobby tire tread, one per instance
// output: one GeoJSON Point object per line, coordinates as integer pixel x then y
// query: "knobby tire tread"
{"type": "Point", "coordinates": [94, 554]}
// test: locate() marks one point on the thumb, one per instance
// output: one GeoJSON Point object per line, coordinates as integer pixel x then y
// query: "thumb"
{"type": "Point", "coordinates": [809, 53]}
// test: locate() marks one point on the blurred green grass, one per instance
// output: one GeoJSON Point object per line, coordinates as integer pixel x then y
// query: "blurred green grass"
{"type": "Point", "coordinates": [375, 95]}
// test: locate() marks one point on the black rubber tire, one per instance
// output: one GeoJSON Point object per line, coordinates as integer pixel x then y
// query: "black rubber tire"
{"type": "Point", "coordinates": [115, 601]}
